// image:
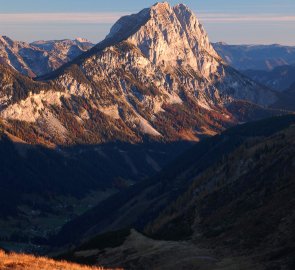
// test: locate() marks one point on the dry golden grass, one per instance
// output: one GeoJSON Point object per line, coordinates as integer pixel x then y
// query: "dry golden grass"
{"type": "Point", "coordinates": [15, 261]}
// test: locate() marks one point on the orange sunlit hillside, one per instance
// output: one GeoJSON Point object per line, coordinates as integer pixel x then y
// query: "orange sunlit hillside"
{"type": "Point", "coordinates": [15, 261]}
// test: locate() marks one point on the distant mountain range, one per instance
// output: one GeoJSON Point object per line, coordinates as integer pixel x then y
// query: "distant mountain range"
{"type": "Point", "coordinates": [256, 57]}
{"type": "Point", "coordinates": [279, 79]}
{"type": "Point", "coordinates": [40, 57]}
{"type": "Point", "coordinates": [270, 65]}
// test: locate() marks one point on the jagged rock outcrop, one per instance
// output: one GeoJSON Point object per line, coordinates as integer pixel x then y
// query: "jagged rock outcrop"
{"type": "Point", "coordinates": [172, 37]}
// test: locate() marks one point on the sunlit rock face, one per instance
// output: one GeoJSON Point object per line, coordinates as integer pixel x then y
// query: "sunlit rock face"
{"type": "Point", "coordinates": [155, 76]}
{"type": "Point", "coordinates": [171, 37]}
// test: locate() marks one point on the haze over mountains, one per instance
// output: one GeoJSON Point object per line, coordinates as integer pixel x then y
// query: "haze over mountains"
{"type": "Point", "coordinates": [134, 132]}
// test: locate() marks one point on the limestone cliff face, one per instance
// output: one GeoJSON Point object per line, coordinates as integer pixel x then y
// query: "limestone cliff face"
{"type": "Point", "coordinates": [156, 75]}
{"type": "Point", "coordinates": [171, 37]}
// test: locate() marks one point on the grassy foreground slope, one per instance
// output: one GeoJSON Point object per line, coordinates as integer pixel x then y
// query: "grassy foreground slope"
{"type": "Point", "coordinates": [15, 261]}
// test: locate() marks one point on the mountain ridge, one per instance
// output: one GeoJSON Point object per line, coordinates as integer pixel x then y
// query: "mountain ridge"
{"type": "Point", "coordinates": [135, 81]}
{"type": "Point", "coordinates": [143, 202]}
{"type": "Point", "coordinates": [256, 57]}
{"type": "Point", "coordinates": [235, 209]}
{"type": "Point", "coordinates": [40, 57]}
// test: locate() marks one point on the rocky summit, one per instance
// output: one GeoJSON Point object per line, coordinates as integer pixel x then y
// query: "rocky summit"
{"type": "Point", "coordinates": [155, 76]}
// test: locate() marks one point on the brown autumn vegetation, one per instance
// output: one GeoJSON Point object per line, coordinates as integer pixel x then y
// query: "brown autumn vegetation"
{"type": "Point", "coordinates": [14, 261]}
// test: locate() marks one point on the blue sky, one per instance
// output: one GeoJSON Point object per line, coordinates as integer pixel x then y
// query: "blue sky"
{"type": "Point", "coordinates": [232, 21]}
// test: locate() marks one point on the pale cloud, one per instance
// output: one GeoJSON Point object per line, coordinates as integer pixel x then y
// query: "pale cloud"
{"type": "Point", "coordinates": [111, 17]}
{"type": "Point", "coordinates": [225, 18]}
{"type": "Point", "coordinates": [100, 17]}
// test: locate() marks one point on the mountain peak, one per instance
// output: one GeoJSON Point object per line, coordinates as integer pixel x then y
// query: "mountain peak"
{"type": "Point", "coordinates": [165, 6]}
{"type": "Point", "coordinates": [182, 7]}
{"type": "Point", "coordinates": [82, 40]}
{"type": "Point", "coordinates": [169, 36]}
{"type": "Point", "coordinates": [6, 40]}
{"type": "Point", "coordinates": [161, 7]}
{"type": "Point", "coordinates": [156, 68]}
{"type": "Point", "coordinates": [161, 12]}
